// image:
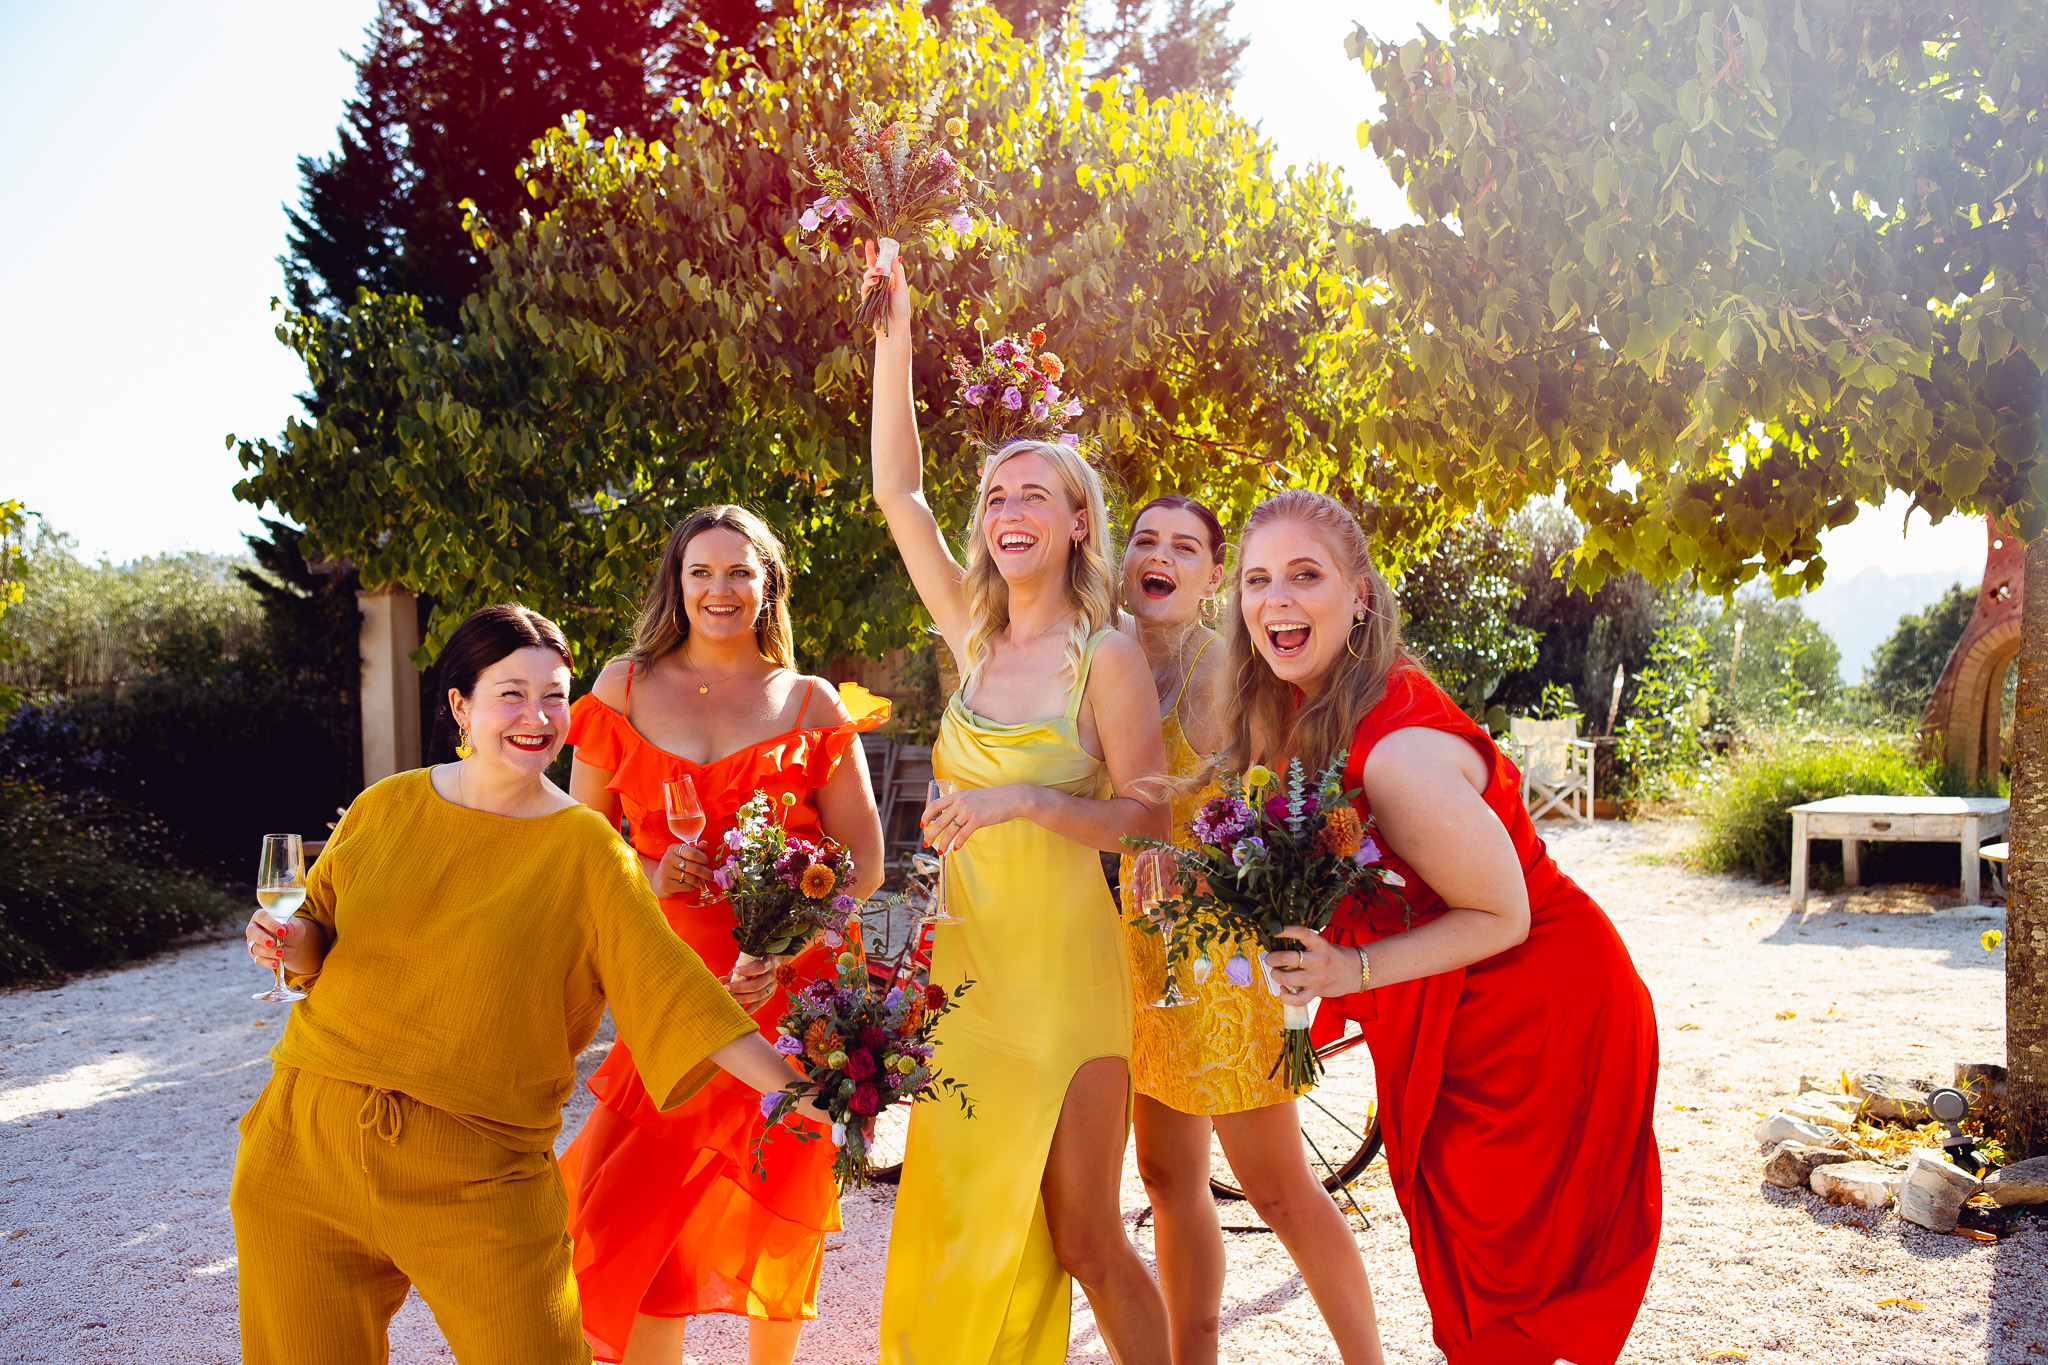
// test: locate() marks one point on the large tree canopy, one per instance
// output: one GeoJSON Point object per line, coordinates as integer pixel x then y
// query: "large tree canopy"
{"type": "Point", "coordinates": [1723, 274]}
{"type": "Point", "coordinates": [661, 334]}
{"type": "Point", "coordinates": [1772, 261]}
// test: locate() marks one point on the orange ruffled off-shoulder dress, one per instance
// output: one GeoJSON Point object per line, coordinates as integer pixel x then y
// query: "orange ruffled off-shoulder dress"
{"type": "Point", "coordinates": [667, 1216]}
{"type": "Point", "coordinates": [1541, 1061]}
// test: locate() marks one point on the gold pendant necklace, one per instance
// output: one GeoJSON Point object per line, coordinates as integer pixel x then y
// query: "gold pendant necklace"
{"type": "Point", "coordinates": [705, 687]}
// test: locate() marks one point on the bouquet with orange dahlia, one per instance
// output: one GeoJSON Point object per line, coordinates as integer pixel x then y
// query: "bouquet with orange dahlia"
{"type": "Point", "coordinates": [1013, 392]}
{"type": "Point", "coordinates": [862, 1045]}
{"type": "Point", "coordinates": [893, 179]}
{"type": "Point", "coordinates": [783, 888]}
{"type": "Point", "coordinates": [1269, 854]}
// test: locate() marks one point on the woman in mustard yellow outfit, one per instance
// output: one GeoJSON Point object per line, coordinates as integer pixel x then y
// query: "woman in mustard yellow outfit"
{"type": "Point", "coordinates": [1051, 737]}
{"type": "Point", "coordinates": [1206, 1066]}
{"type": "Point", "coordinates": [462, 934]}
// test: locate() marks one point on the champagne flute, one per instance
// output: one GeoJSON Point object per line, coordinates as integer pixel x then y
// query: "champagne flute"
{"type": "Point", "coordinates": [936, 867]}
{"type": "Point", "coordinates": [685, 814]}
{"type": "Point", "coordinates": [1151, 889]}
{"type": "Point", "coordinates": [281, 890]}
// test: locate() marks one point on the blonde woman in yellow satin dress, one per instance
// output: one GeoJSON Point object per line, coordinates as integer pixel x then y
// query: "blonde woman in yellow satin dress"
{"type": "Point", "coordinates": [1051, 737]}
{"type": "Point", "coordinates": [1205, 1065]}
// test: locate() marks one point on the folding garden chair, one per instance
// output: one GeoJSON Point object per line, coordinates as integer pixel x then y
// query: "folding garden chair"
{"type": "Point", "coordinates": [1557, 767]}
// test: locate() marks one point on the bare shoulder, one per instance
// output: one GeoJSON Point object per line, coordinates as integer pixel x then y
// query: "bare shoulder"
{"type": "Point", "coordinates": [824, 706]}
{"type": "Point", "coordinates": [610, 687]}
{"type": "Point", "coordinates": [1418, 755]}
{"type": "Point", "coordinates": [1120, 655]}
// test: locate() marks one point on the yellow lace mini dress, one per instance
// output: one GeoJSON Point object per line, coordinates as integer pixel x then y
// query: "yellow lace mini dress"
{"type": "Point", "coordinates": [1212, 1056]}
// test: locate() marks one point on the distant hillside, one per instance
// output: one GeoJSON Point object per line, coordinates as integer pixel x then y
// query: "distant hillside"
{"type": "Point", "coordinates": [1860, 611]}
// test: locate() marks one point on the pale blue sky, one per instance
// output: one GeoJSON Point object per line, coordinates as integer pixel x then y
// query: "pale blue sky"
{"type": "Point", "coordinates": [153, 146]}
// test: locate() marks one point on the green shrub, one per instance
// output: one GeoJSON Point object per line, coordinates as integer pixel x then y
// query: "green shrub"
{"type": "Point", "coordinates": [81, 886]}
{"type": "Point", "coordinates": [1744, 798]}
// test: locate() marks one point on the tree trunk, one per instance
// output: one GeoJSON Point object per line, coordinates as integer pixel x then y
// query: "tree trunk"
{"type": "Point", "coordinates": [2026, 910]}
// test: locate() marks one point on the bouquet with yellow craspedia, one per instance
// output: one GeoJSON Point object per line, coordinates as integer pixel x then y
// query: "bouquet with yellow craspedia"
{"type": "Point", "coordinates": [1271, 854]}
{"type": "Point", "coordinates": [784, 888]}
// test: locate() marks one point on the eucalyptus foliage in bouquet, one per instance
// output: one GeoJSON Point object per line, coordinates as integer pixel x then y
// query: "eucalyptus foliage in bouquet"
{"type": "Point", "coordinates": [1013, 392]}
{"type": "Point", "coordinates": [783, 888]}
{"type": "Point", "coordinates": [863, 1045]}
{"type": "Point", "coordinates": [1271, 855]}
{"type": "Point", "coordinates": [891, 178]}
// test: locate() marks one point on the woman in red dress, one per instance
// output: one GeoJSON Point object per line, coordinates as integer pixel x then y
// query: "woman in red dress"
{"type": "Point", "coordinates": [1514, 1043]}
{"type": "Point", "coordinates": [668, 1219]}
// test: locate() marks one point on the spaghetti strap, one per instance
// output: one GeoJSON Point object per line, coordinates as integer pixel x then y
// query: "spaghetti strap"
{"type": "Point", "coordinates": [808, 688]}
{"type": "Point", "coordinates": [1087, 661]}
{"type": "Point", "coordinates": [1181, 694]}
{"type": "Point", "coordinates": [626, 702]}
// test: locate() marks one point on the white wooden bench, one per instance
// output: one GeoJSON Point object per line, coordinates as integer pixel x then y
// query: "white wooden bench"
{"type": "Point", "coordinates": [1964, 820]}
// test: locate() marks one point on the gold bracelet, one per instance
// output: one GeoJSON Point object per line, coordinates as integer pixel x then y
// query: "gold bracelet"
{"type": "Point", "coordinates": [1364, 970]}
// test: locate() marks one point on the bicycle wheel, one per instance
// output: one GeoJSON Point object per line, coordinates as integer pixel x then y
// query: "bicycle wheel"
{"type": "Point", "coordinates": [1340, 1130]}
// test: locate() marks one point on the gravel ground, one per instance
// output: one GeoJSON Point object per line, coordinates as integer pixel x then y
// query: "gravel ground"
{"type": "Point", "coordinates": [119, 1092]}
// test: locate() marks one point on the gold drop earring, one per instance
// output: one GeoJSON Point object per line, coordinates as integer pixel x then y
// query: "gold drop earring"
{"type": "Point", "coordinates": [462, 747]}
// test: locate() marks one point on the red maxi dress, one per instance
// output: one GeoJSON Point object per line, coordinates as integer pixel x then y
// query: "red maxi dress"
{"type": "Point", "coordinates": [666, 1213]}
{"type": "Point", "coordinates": [1516, 1097]}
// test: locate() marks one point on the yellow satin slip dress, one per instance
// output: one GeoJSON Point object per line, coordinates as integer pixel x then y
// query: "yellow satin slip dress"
{"type": "Point", "coordinates": [972, 1279]}
{"type": "Point", "coordinates": [1213, 1055]}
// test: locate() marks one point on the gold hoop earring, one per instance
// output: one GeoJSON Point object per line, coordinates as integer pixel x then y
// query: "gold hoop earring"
{"type": "Point", "coordinates": [1356, 622]}
{"type": "Point", "coordinates": [462, 748]}
{"type": "Point", "coordinates": [675, 618]}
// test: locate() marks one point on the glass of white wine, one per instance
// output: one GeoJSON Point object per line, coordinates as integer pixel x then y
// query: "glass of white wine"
{"type": "Point", "coordinates": [1150, 878]}
{"type": "Point", "coordinates": [281, 890]}
{"type": "Point", "coordinates": [936, 788]}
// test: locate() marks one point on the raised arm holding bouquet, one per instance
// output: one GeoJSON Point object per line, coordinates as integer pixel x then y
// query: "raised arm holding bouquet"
{"type": "Point", "coordinates": [890, 178]}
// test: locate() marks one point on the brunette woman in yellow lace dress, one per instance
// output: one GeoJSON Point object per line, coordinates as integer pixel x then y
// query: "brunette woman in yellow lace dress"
{"type": "Point", "coordinates": [1204, 1065]}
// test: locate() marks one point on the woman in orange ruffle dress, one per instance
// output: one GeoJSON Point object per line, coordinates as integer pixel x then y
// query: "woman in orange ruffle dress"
{"type": "Point", "coordinates": [668, 1219]}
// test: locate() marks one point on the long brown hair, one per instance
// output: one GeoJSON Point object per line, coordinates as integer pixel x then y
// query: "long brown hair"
{"type": "Point", "coordinates": [664, 627]}
{"type": "Point", "coordinates": [1261, 706]}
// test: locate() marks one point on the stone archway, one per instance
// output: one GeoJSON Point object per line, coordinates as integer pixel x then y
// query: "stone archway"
{"type": "Point", "coordinates": [1962, 721]}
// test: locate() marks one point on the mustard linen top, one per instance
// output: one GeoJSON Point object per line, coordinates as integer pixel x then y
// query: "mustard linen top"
{"type": "Point", "coordinates": [471, 955]}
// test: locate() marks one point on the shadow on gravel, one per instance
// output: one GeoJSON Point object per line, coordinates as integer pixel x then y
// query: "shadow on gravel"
{"type": "Point", "coordinates": [1957, 940]}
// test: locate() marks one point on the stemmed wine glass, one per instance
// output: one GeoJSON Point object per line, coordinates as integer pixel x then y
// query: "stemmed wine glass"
{"type": "Point", "coordinates": [935, 868]}
{"type": "Point", "coordinates": [685, 815]}
{"type": "Point", "coordinates": [281, 890]}
{"type": "Point", "coordinates": [1150, 886]}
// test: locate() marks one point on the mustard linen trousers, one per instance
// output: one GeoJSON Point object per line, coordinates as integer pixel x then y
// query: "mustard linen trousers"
{"type": "Point", "coordinates": [344, 1195]}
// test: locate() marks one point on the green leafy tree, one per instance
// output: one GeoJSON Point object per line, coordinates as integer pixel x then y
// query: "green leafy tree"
{"type": "Point", "coordinates": [1458, 601]}
{"type": "Point", "coordinates": [13, 570]}
{"type": "Point", "coordinates": [1905, 668]}
{"type": "Point", "coordinates": [1586, 635]}
{"type": "Point", "coordinates": [1772, 663]}
{"type": "Point", "coordinates": [450, 95]}
{"type": "Point", "coordinates": [661, 334]}
{"type": "Point", "coordinates": [1189, 47]}
{"type": "Point", "coordinates": [1765, 264]}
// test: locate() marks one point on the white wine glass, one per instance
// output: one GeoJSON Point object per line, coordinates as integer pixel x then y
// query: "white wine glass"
{"type": "Point", "coordinates": [280, 891]}
{"type": "Point", "coordinates": [1151, 890]}
{"type": "Point", "coordinates": [935, 868]}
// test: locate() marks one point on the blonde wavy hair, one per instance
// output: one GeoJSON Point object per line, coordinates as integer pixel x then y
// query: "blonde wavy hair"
{"type": "Point", "coordinates": [1091, 569]}
{"type": "Point", "coordinates": [1260, 705]}
{"type": "Point", "coordinates": [663, 626]}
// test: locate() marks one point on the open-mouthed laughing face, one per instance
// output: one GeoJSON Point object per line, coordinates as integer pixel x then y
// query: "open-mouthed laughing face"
{"type": "Point", "coordinates": [723, 585]}
{"type": "Point", "coordinates": [1168, 567]}
{"type": "Point", "coordinates": [518, 712]}
{"type": "Point", "coordinates": [1027, 521]}
{"type": "Point", "coordinates": [1297, 603]}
